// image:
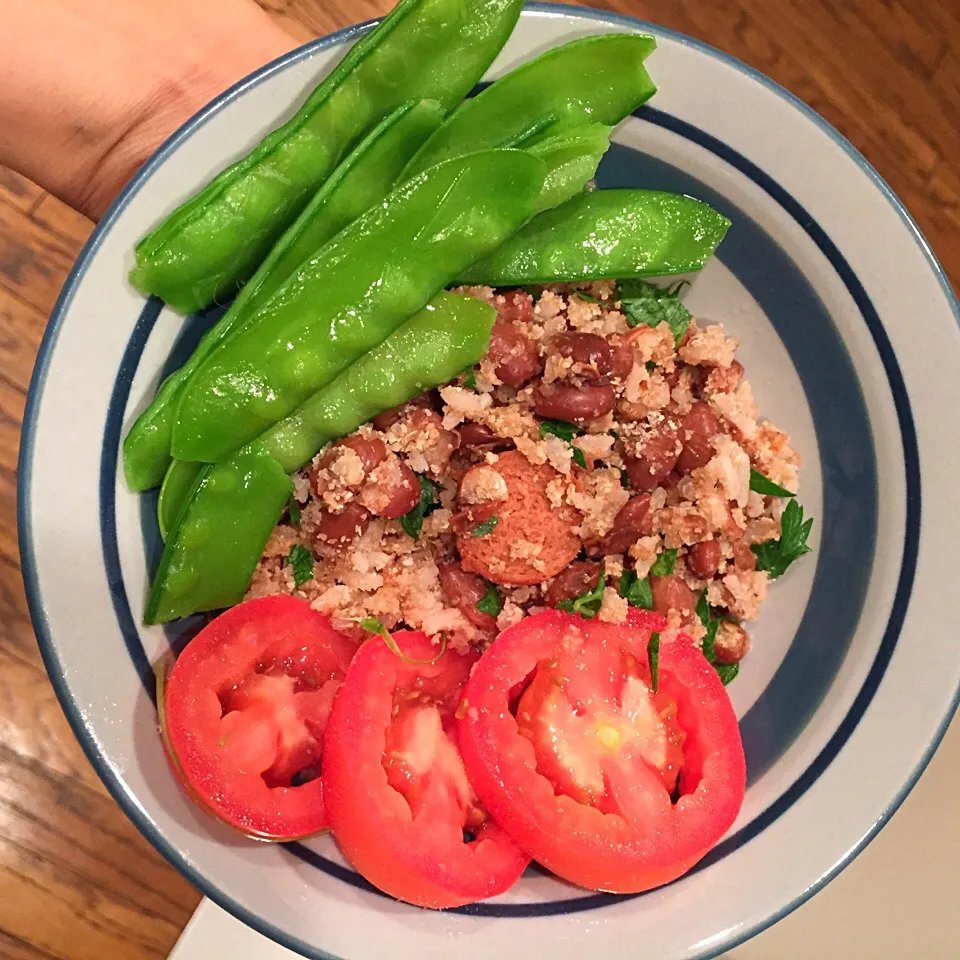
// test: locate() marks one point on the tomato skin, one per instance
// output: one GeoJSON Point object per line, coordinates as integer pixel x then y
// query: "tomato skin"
{"type": "Point", "coordinates": [651, 840]}
{"type": "Point", "coordinates": [245, 708]}
{"type": "Point", "coordinates": [417, 857]}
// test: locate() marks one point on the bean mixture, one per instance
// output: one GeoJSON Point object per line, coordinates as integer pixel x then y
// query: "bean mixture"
{"type": "Point", "coordinates": [583, 462]}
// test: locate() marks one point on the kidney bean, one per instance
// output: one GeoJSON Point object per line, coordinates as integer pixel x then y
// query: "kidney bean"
{"type": "Point", "coordinates": [632, 522]}
{"type": "Point", "coordinates": [385, 420]}
{"type": "Point", "coordinates": [731, 643]}
{"type": "Point", "coordinates": [569, 583]}
{"type": "Point", "coordinates": [343, 527]}
{"type": "Point", "coordinates": [703, 559]}
{"type": "Point", "coordinates": [623, 359]}
{"type": "Point", "coordinates": [697, 428]}
{"type": "Point", "coordinates": [371, 450]}
{"type": "Point", "coordinates": [392, 491]}
{"type": "Point", "coordinates": [657, 458]}
{"type": "Point", "coordinates": [464, 591]}
{"type": "Point", "coordinates": [480, 435]}
{"type": "Point", "coordinates": [430, 423]}
{"type": "Point", "coordinates": [591, 354]}
{"type": "Point", "coordinates": [743, 557]}
{"type": "Point", "coordinates": [724, 379]}
{"type": "Point", "coordinates": [671, 593]}
{"type": "Point", "coordinates": [518, 307]}
{"type": "Point", "coordinates": [471, 517]}
{"type": "Point", "coordinates": [566, 401]}
{"type": "Point", "coordinates": [515, 356]}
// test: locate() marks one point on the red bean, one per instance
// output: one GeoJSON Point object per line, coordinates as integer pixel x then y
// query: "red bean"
{"type": "Point", "coordinates": [343, 527]}
{"type": "Point", "coordinates": [464, 591]}
{"type": "Point", "coordinates": [703, 559]}
{"type": "Point", "coordinates": [518, 306]}
{"type": "Point", "coordinates": [731, 643]}
{"type": "Point", "coordinates": [564, 401]}
{"type": "Point", "coordinates": [569, 583]}
{"type": "Point", "coordinates": [480, 435]}
{"type": "Point", "coordinates": [724, 379]}
{"type": "Point", "coordinates": [371, 450]}
{"type": "Point", "coordinates": [471, 517]}
{"type": "Point", "coordinates": [671, 593]}
{"type": "Point", "coordinates": [590, 353]}
{"type": "Point", "coordinates": [623, 359]}
{"type": "Point", "coordinates": [632, 522]}
{"type": "Point", "coordinates": [743, 557]}
{"type": "Point", "coordinates": [515, 356]}
{"type": "Point", "coordinates": [385, 420]}
{"type": "Point", "coordinates": [697, 428]}
{"type": "Point", "coordinates": [429, 423]}
{"type": "Point", "coordinates": [657, 458]}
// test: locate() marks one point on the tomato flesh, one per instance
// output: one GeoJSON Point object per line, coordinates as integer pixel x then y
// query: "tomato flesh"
{"type": "Point", "coordinates": [608, 784]}
{"type": "Point", "coordinates": [401, 805]}
{"type": "Point", "coordinates": [245, 712]}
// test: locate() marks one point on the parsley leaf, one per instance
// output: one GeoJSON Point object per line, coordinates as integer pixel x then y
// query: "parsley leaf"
{"type": "Point", "coordinates": [726, 671]}
{"type": "Point", "coordinates": [578, 457]}
{"type": "Point", "coordinates": [646, 303]}
{"type": "Point", "coordinates": [294, 510]}
{"type": "Point", "coordinates": [635, 590]}
{"type": "Point", "coordinates": [470, 379]}
{"type": "Point", "coordinates": [559, 428]}
{"type": "Point", "coordinates": [300, 560]}
{"type": "Point", "coordinates": [587, 604]}
{"type": "Point", "coordinates": [664, 564]}
{"type": "Point", "coordinates": [766, 487]}
{"type": "Point", "coordinates": [775, 556]}
{"type": "Point", "coordinates": [373, 625]}
{"type": "Point", "coordinates": [653, 657]}
{"type": "Point", "coordinates": [412, 521]}
{"type": "Point", "coordinates": [583, 295]}
{"type": "Point", "coordinates": [490, 602]}
{"type": "Point", "coordinates": [484, 528]}
{"type": "Point", "coordinates": [651, 365]}
{"type": "Point", "coordinates": [624, 479]}
{"type": "Point", "coordinates": [535, 292]}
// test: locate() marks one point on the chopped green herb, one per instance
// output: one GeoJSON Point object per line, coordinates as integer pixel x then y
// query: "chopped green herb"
{"type": "Point", "coordinates": [775, 556]}
{"type": "Point", "coordinates": [300, 561]}
{"type": "Point", "coordinates": [645, 303]}
{"type": "Point", "coordinates": [578, 456]}
{"type": "Point", "coordinates": [664, 564]}
{"type": "Point", "coordinates": [587, 604]}
{"type": "Point", "coordinates": [727, 671]}
{"type": "Point", "coordinates": [583, 295]}
{"type": "Point", "coordinates": [294, 510]}
{"type": "Point", "coordinates": [484, 528]}
{"type": "Point", "coordinates": [653, 658]}
{"type": "Point", "coordinates": [490, 602]}
{"type": "Point", "coordinates": [560, 428]}
{"type": "Point", "coordinates": [624, 479]}
{"type": "Point", "coordinates": [373, 625]}
{"type": "Point", "coordinates": [470, 379]}
{"type": "Point", "coordinates": [766, 487]}
{"type": "Point", "coordinates": [636, 590]}
{"type": "Point", "coordinates": [651, 365]}
{"type": "Point", "coordinates": [535, 292]}
{"type": "Point", "coordinates": [412, 521]}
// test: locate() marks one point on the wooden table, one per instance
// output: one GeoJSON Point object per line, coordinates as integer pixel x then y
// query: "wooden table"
{"type": "Point", "coordinates": [77, 882]}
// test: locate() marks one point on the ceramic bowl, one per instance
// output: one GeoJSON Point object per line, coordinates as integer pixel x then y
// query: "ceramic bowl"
{"type": "Point", "coordinates": [850, 338]}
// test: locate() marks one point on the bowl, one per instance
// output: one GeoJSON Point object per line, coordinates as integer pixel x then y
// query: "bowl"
{"type": "Point", "coordinates": [849, 335]}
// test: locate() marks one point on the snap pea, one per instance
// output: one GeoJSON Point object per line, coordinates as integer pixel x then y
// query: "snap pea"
{"type": "Point", "coordinates": [364, 177]}
{"type": "Point", "coordinates": [431, 49]}
{"type": "Point", "coordinates": [430, 349]}
{"type": "Point", "coordinates": [572, 158]}
{"type": "Point", "coordinates": [206, 562]}
{"type": "Point", "coordinates": [352, 294]}
{"type": "Point", "coordinates": [606, 234]}
{"type": "Point", "coordinates": [592, 80]}
{"type": "Point", "coordinates": [215, 546]}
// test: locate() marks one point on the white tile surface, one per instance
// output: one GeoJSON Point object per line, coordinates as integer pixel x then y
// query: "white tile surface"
{"type": "Point", "coordinates": [898, 899]}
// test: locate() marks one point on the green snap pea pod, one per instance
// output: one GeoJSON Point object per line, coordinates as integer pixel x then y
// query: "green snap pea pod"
{"type": "Point", "coordinates": [364, 178]}
{"type": "Point", "coordinates": [224, 535]}
{"type": "Point", "coordinates": [572, 158]}
{"type": "Point", "coordinates": [177, 485]}
{"type": "Point", "coordinates": [430, 349]}
{"type": "Point", "coordinates": [430, 49]}
{"type": "Point", "coordinates": [376, 273]}
{"type": "Point", "coordinates": [606, 234]}
{"type": "Point", "coordinates": [207, 561]}
{"type": "Point", "coordinates": [593, 80]}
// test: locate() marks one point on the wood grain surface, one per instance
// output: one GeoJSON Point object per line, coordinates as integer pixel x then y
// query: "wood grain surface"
{"type": "Point", "coordinates": [77, 882]}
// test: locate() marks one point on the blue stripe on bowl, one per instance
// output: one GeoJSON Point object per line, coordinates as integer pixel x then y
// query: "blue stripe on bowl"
{"type": "Point", "coordinates": [908, 437]}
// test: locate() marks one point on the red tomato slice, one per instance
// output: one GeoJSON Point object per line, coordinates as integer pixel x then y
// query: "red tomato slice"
{"type": "Point", "coordinates": [607, 784]}
{"type": "Point", "coordinates": [401, 806]}
{"type": "Point", "coordinates": [244, 713]}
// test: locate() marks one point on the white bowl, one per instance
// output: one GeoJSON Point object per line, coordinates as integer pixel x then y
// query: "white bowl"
{"type": "Point", "coordinates": [849, 335]}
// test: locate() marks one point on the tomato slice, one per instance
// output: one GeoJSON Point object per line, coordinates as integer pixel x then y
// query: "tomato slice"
{"type": "Point", "coordinates": [244, 713]}
{"type": "Point", "coordinates": [608, 784]}
{"type": "Point", "coordinates": [401, 805]}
